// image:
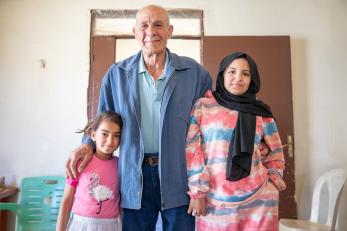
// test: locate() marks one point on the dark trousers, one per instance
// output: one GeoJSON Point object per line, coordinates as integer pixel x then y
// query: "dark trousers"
{"type": "Point", "coordinates": [174, 219]}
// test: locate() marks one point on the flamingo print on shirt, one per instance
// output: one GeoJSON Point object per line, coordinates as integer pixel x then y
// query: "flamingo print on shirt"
{"type": "Point", "coordinates": [100, 193]}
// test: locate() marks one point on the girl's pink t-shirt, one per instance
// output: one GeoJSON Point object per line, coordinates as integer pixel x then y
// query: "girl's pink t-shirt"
{"type": "Point", "coordinates": [97, 190]}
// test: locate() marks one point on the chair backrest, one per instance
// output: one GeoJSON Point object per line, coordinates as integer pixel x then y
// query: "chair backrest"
{"type": "Point", "coordinates": [334, 180]}
{"type": "Point", "coordinates": [40, 199]}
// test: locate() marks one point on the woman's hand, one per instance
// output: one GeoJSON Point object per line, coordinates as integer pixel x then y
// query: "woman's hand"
{"type": "Point", "coordinates": [263, 148]}
{"type": "Point", "coordinates": [197, 207]}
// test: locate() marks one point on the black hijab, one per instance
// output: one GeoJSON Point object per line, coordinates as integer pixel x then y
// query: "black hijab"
{"type": "Point", "coordinates": [239, 160]}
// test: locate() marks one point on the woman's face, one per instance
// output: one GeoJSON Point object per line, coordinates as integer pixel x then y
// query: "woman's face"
{"type": "Point", "coordinates": [237, 77]}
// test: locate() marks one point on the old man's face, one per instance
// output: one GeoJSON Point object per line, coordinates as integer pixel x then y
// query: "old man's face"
{"type": "Point", "coordinates": [152, 30]}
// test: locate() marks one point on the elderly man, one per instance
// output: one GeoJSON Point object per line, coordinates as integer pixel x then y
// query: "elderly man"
{"type": "Point", "coordinates": [153, 91]}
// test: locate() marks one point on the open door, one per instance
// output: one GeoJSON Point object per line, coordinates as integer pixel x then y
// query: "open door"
{"type": "Point", "coordinates": [272, 55]}
{"type": "Point", "coordinates": [102, 56]}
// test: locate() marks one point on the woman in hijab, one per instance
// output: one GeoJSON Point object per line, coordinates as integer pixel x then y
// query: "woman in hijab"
{"type": "Point", "coordinates": [233, 186]}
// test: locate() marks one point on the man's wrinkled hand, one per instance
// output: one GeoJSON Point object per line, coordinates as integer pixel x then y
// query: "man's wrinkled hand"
{"type": "Point", "coordinates": [83, 154]}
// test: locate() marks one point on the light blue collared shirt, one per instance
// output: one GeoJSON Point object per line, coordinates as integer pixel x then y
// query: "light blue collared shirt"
{"type": "Point", "coordinates": [151, 94]}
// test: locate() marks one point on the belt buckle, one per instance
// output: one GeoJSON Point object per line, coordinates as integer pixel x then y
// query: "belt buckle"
{"type": "Point", "coordinates": [153, 161]}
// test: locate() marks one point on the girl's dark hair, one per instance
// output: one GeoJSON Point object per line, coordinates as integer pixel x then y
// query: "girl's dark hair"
{"type": "Point", "coordinates": [95, 123]}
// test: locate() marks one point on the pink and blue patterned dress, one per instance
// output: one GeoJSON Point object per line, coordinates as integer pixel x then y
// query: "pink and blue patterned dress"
{"type": "Point", "coordinates": [250, 204]}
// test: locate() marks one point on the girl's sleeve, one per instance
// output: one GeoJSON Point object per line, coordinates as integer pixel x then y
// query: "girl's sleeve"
{"type": "Point", "coordinates": [198, 176]}
{"type": "Point", "coordinates": [274, 160]}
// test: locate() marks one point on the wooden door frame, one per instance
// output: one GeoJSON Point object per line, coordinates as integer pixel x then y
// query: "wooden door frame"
{"type": "Point", "coordinates": [108, 57]}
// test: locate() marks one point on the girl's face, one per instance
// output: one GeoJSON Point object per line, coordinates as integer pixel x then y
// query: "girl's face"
{"type": "Point", "coordinates": [107, 139]}
{"type": "Point", "coordinates": [237, 77]}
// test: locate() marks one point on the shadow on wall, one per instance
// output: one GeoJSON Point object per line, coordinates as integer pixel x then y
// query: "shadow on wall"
{"type": "Point", "coordinates": [303, 171]}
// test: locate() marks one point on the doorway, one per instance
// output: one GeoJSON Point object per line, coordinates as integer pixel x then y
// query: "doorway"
{"type": "Point", "coordinates": [272, 55]}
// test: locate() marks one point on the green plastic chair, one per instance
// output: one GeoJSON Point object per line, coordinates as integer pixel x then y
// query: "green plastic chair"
{"type": "Point", "coordinates": [39, 204]}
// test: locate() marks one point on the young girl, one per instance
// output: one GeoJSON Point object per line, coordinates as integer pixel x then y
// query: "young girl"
{"type": "Point", "coordinates": [93, 197]}
{"type": "Point", "coordinates": [231, 185]}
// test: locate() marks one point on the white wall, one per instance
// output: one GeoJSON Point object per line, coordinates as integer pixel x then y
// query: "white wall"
{"type": "Point", "coordinates": [41, 108]}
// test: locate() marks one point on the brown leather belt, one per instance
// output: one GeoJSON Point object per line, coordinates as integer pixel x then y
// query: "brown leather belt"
{"type": "Point", "coordinates": [151, 160]}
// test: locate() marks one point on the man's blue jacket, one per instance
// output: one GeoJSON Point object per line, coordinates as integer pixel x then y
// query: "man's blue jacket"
{"type": "Point", "coordinates": [120, 93]}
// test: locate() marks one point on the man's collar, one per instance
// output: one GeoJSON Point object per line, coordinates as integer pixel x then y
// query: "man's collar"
{"type": "Point", "coordinates": [142, 67]}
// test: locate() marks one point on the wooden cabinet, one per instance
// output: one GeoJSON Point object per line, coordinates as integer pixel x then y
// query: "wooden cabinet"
{"type": "Point", "coordinates": [5, 194]}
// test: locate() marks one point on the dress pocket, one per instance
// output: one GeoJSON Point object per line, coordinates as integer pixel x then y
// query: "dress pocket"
{"type": "Point", "coordinates": [255, 196]}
